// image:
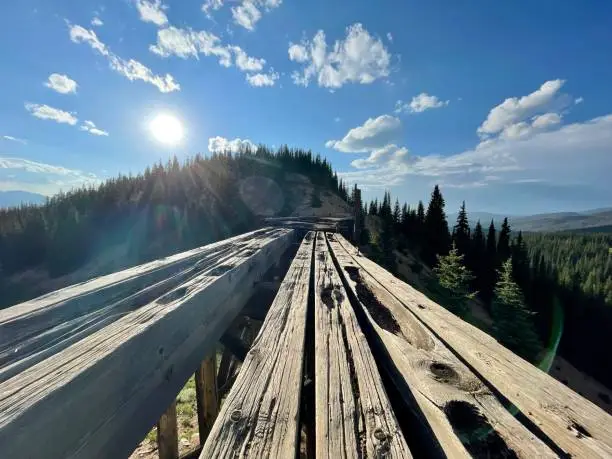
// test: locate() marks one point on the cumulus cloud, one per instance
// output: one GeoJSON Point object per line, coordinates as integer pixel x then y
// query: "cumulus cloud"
{"type": "Point", "coordinates": [262, 79]}
{"type": "Point", "coordinates": [213, 5]}
{"type": "Point", "coordinates": [578, 154]}
{"type": "Point", "coordinates": [222, 145]}
{"type": "Point", "coordinates": [390, 37]}
{"type": "Point", "coordinates": [515, 110]}
{"type": "Point", "coordinates": [131, 69]}
{"type": "Point", "coordinates": [374, 133]}
{"type": "Point", "coordinates": [89, 126]}
{"type": "Point", "coordinates": [14, 139]}
{"type": "Point", "coordinates": [247, 63]}
{"type": "Point", "coordinates": [359, 58]}
{"type": "Point", "coordinates": [419, 104]}
{"type": "Point", "coordinates": [44, 112]}
{"type": "Point", "coordinates": [37, 177]}
{"type": "Point", "coordinates": [61, 83]}
{"type": "Point", "coordinates": [388, 156]}
{"type": "Point", "coordinates": [152, 11]}
{"type": "Point", "coordinates": [578, 100]}
{"type": "Point", "coordinates": [97, 22]}
{"type": "Point", "coordinates": [246, 15]}
{"type": "Point", "coordinates": [187, 43]}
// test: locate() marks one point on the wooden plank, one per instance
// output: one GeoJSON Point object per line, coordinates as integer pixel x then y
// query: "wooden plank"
{"type": "Point", "coordinates": [354, 417]}
{"type": "Point", "coordinates": [577, 426]}
{"type": "Point", "coordinates": [58, 319]}
{"type": "Point", "coordinates": [206, 395]}
{"type": "Point", "coordinates": [260, 415]}
{"type": "Point", "coordinates": [433, 380]}
{"type": "Point", "coordinates": [99, 396]}
{"type": "Point", "coordinates": [167, 434]}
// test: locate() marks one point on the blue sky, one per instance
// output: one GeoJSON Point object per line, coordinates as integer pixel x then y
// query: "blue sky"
{"type": "Point", "coordinates": [507, 105]}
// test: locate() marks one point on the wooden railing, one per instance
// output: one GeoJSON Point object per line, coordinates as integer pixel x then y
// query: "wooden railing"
{"type": "Point", "coordinates": [349, 362]}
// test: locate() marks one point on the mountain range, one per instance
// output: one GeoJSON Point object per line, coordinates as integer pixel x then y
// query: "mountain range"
{"type": "Point", "coordinates": [589, 220]}
{"type": "Point", "coordinates": [15, 198]}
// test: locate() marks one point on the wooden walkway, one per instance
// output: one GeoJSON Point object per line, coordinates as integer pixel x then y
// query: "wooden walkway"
{"type": "Point", "coordinates": [349, 362]}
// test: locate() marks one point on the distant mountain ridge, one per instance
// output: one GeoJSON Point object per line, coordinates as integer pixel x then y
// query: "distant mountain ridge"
{"type": "Point", "coordinates": [557, 221]}
{"type": "Point", "coordinates": [15, 198]}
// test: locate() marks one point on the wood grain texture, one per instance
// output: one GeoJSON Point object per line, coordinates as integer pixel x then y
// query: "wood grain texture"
{"type": "Point", "coordinates": [574, 424]}
{"type": "Point", "coordinates": [354, 417]}
{"type": "Point", "coordinates": [167, 434]}
{"type": "Point", "coordinates": [434, 380]}
{"type": "Point", "coordinates": [31, 331]}
{"type": "Point", "coordinates": [98, 397]}
{"type": "Point", "coordinates": [260, 416]}
{"type": "Point", "coordinates": [207, 401]}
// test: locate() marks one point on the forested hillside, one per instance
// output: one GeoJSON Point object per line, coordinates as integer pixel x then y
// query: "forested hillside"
{"type": "Point", "coordinates": [536, 288]}
{"type": "Point", "coordinates": [167, 208]}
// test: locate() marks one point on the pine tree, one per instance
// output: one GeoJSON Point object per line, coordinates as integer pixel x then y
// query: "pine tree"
{"type": "Point", "coordinates": [503, 243]}
{"type": "Point", "coordinates": [489, 269]}
{"type": "Point", "coordinates": [397, 213]}
{"type": "Point", "coordinates": [454, 278]}
{"type": "Point", "coordinates": [476, 258]}
{"type": "Point", "coordinates": [513, 322]}
{"type": "Point", "coordinates": [461, 232]}
{"type": "Point", "coordinates": [520, 263]}
{"type": "Point", "coordinates": [437, 237]}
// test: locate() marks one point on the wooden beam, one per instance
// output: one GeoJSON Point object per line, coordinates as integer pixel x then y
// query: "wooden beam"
{"type": "Point", "coordinates": [99, 396]}
{"type": "Point", "coordinates": [36, 329]}
{"type": "Point", "coordinates": [577, 426]}
{"type": "Point", "coordinates": [260, 415]}
{"type": "Point", "coordinates": [354, 417]}
{"type": "Point", "coordinates": [433, 380]}
{"type": "Point", "coordinates": [167, 434]}
{"type": "Point", "coordinates": [206, 395]}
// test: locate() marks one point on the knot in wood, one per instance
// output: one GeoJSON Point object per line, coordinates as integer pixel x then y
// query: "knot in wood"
{"type": "Point", "coordinates": [380, 434]}
{"type": "Point", "coordinates": [235, 415]}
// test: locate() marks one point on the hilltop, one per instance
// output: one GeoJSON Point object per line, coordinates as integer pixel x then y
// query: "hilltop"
{"type": "Point", "coordinates": [168, 208]}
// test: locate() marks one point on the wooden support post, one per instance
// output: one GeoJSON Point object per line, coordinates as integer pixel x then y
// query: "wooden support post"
{"type": "Point", "coordinates": [167, 434]}
{"type": "Point", "coordinates": [206, 395]}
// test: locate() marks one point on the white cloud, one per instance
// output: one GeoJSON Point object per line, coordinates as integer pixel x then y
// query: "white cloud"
{"type": "Point", "coordinates": [262, 79]}
{"type": "Point", "coordinates": [89, 126]}
{"type": "Point", "coordinates": [388, 156]}
{"type": "Point", "coordinates": [247, 63]}
{"type": "Point", "coordinates": [152, 11]}
{"type": "Point", "coordinates": [131, 69]}
{"type": "Point", "coordinates": [246, 15]}
{"type": "Point", "coordinates": [374, 133]}
{"type": "Point", "coordinates": [44, 112]}
{"type": "Point", "coordinates": [546, 120]}
{"type": "Point", "coordinates": [61, 83]}
{"type": "Point", "coordinates": [390, 37]}
{"type": "Point", "coordinates": [186, 43]}
{"type": "Point", "coordinates": [419, 104]}
{"type": "Point", "coordinates": [14, 139]}
{"type": "Point", "coordinates": [36, 177]}
{"type": "Point", "coordinates": [514, 110]}
{"type": "Point", "coordinates": [298, 53]}
{"type": "Point", "coordinates": [222, 145]}
{"type": "Point", "coordinates": [578, 100]}
{"type": "Point", "coordinates": [211, 5]}
{"type": "Point", "coordinates": [359, 58]}
{"type": "Point", "coordinates": [575, 154]}
{"type": "Point", "coordinates": [97, 22]}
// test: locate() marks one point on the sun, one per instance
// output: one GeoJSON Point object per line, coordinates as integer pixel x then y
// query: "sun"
{"type": "Point", "coordinates": [166, 129]}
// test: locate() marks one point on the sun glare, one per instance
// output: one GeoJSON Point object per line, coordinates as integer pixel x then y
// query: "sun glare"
{"type": "Point", "coordinates": [166, 129]}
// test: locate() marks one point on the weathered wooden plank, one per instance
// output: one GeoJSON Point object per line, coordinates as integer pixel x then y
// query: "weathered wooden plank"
{"type": "Point", "coordinates": [99, 396]}
{"type": "Point", "coordinates": [167, 434]}
{"type": "Point", "coordinates": [260, 415]}
{"type": "Point", "coordinates": [434, 380]}
{"type": "Point", "coordinates": [206, 395]}
{"type": "Point", "coordinates": [354, 417]}
{"type": "Point", "coordinates": [53, 321]}
{"type": "Point", "coordinates": [576, 425]}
